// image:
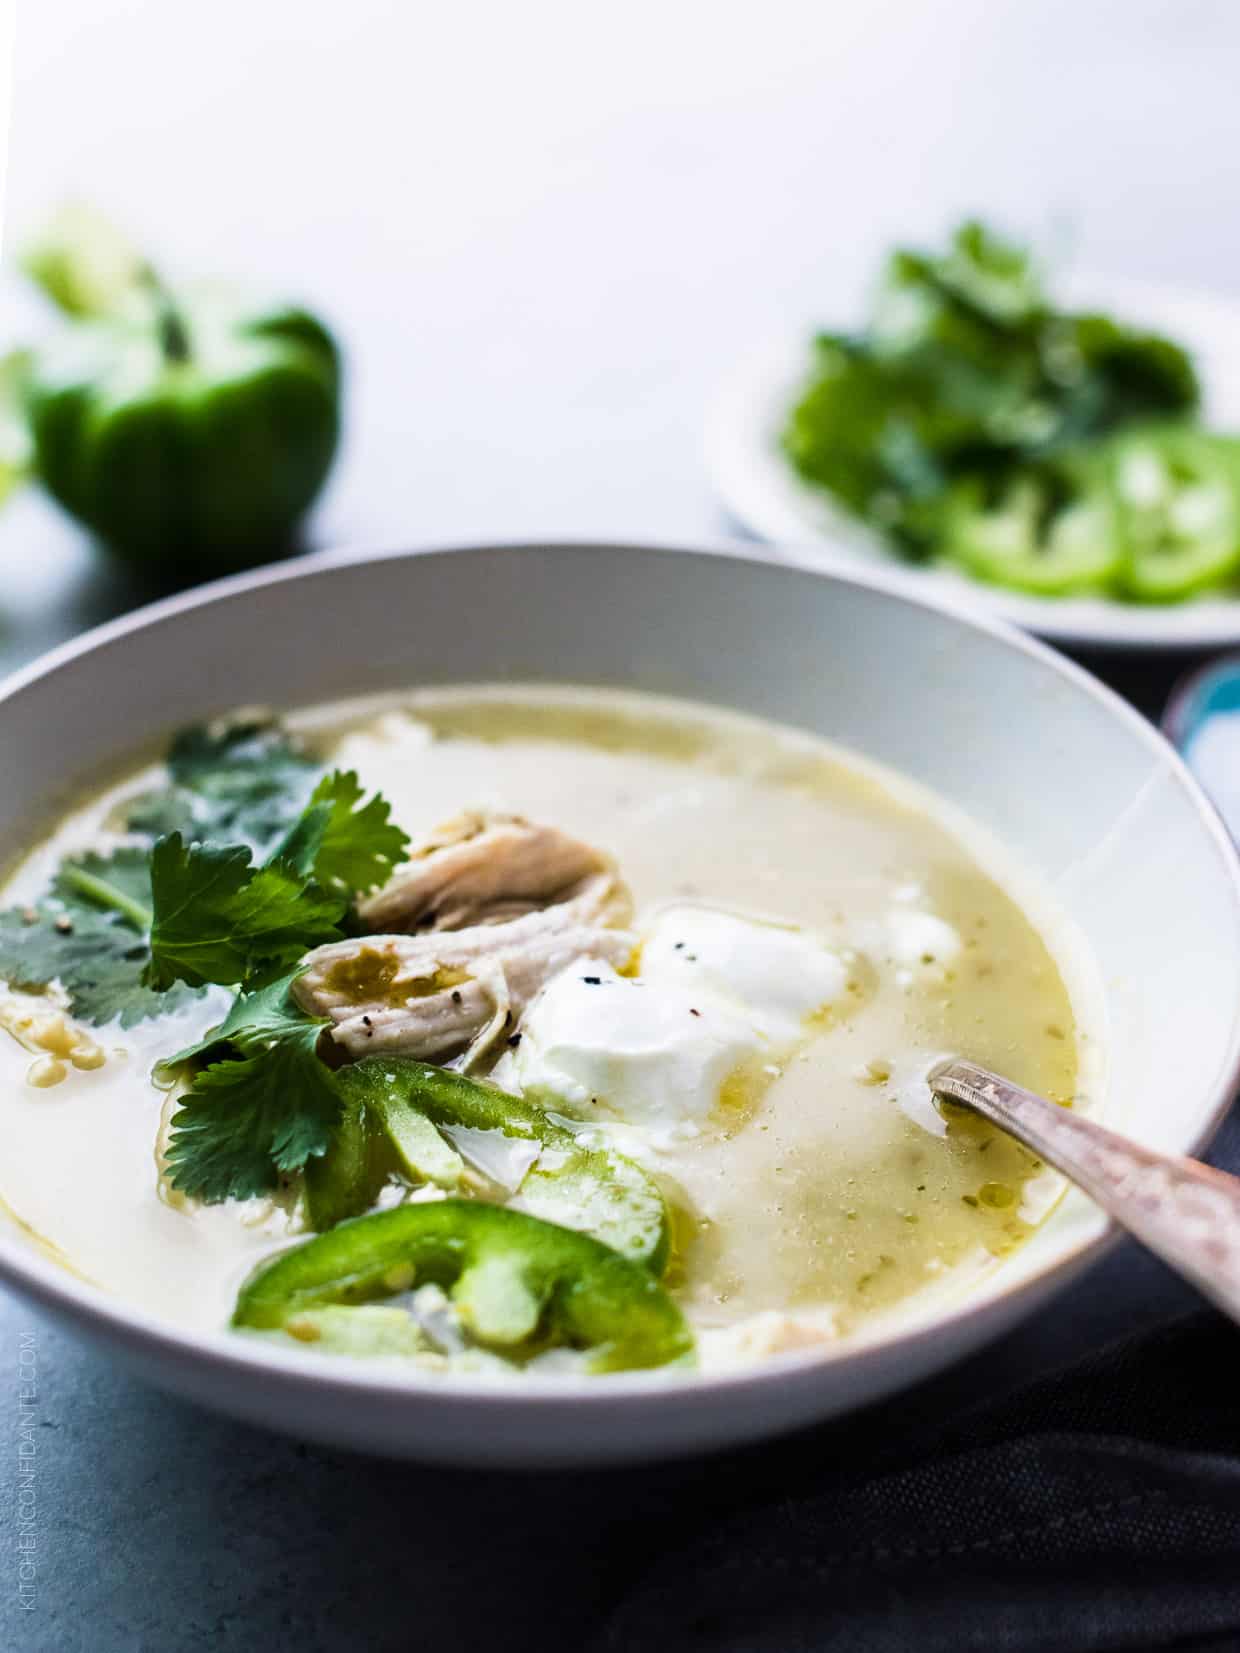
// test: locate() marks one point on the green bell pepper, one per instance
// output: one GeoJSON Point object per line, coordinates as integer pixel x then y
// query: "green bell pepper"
{"type": "Point", "coordinates": [1178, 491]}
{"type": "Point", "coordinates": [520, 1284]}
{"type": "Point", "coordinates": [190, 434]}
{"type": "Point", "coordinates": [393, 1109]}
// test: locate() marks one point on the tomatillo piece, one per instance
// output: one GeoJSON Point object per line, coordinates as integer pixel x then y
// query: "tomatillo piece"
{"type": "Point", "coordinates": [190, 432]}
{"type": "Point", "coordinates": [394, 1108]}
{"type": "Point", "coordinates": [1050, 532]}
{"type": "Point", "coordinates": [1179, 506]}
{"type": "Point", "coordinates": [520, 1284]}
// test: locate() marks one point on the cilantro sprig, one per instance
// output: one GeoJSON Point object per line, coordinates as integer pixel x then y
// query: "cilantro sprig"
{"type": "Point", "coordinates": [342, 846]}
{"type": "Point", "coordinates": [264, 1106]}
{"type": "Point", "coordinates": [245, 782]}
{"type": "Point", "coordinates": [257, 858]}
{"type": "Point", "coordinates": [136, 933]}
{"type": "Point", "coordinates": [219, 918]}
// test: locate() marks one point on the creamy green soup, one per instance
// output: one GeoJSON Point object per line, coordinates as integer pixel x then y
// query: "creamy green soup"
{"type": "Point", "coordinates": [772, 944]}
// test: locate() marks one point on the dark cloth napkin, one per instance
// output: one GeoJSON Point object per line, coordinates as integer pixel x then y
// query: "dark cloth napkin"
{"type": "Point", "coordinates": [1094, 1508]}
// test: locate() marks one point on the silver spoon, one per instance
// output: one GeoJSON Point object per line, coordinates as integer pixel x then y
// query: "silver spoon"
{"type": "Point", "coordinates": [1185, 1212]}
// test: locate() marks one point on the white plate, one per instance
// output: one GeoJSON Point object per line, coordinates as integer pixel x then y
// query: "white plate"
{"type": "Point", "coordinates": [766, 496]}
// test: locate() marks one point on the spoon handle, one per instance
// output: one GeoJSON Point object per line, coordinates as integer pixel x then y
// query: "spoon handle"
{"type": "Point", "coordinates": [1185, 1212]}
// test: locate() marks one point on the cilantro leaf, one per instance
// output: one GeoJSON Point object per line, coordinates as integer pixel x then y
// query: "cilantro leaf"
{"type": "Point", "coordinates": [218, 918]}
{"type": "Point", "coordinates": [152, 814]}
{"type": "Point", "coordinates": [245, 783]}
{"type": "Point", "coordinates": [245, 1122]}
{"type": "Point", "coordinates": [88, 933]}
{"type": "Point", "coordinates": [120, 882]}
{"type": "Point", "coordinates": [254, 1019]}
{"type": "Point", "coordinates": [137, 933]}
{"type": "Point", "coordinates": [341, 846]}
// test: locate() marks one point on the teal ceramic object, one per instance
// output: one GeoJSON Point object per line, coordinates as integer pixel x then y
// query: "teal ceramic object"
{"type": "Point", "coordinates": [1203, 721]}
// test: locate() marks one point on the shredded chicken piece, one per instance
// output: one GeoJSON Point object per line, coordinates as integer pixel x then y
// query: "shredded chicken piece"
{"type": "Point", "coordinates": [499, 906]}
{"type": "Point", "coordinates": [490, 869]}
{"type": "Point", "coordinates": [434, 996]}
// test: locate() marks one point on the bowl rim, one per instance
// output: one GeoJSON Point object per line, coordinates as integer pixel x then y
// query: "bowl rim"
{"type": "Point", "coordinates": [74, 1296]}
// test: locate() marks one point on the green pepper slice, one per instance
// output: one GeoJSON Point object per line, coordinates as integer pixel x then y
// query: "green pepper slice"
{"type": "Point", "coordinates": [372, 1143]}
{"type": "Point", "coordinates": [392, 1108]}
{"type": "Point", "coordinates": [1179, 509]}
{"type": "Point", "coordinates": [520, 1284]}
{"type": "Point", "coordinates": [1051, 532]}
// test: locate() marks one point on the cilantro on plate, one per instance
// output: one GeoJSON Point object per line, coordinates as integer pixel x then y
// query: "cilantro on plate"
{"type": "Point", "coordinates": [974, 422]}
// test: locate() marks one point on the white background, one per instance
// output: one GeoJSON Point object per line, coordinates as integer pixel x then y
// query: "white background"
{"type": "Point", "coordinates": [546, 229]}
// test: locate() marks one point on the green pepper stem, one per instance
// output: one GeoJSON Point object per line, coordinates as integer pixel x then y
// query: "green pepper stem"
{"type": "Point", "coordinates": [170, 323]}
{"type": "Point", "coordinates": [173, 334]}
{"type": "Point", "coordinates": [104, 894]}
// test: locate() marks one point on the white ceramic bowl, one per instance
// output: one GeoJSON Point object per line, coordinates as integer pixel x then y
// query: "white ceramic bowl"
{"type": "Point", "coordinates": [1089, 797]}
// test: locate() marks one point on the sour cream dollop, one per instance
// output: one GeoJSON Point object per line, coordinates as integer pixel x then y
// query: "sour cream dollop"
{"type": "Point", "coordinates": [775, 974]}
{"type": "Point", "coordinates": [714, 991]}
